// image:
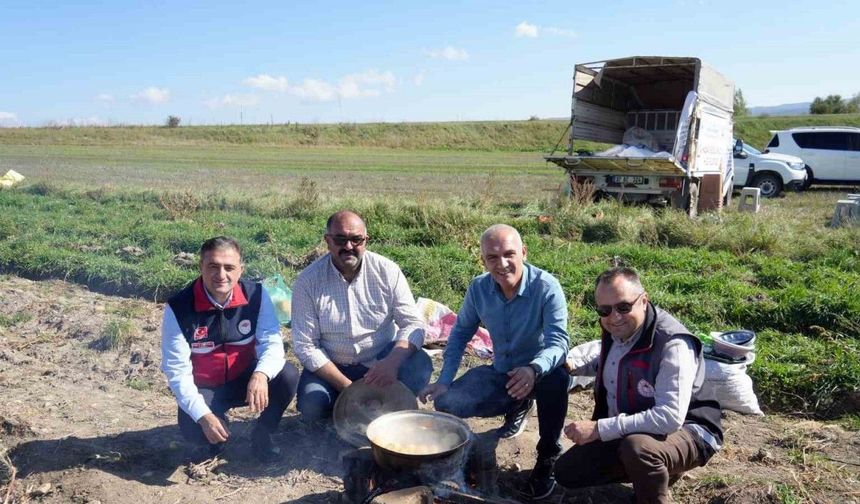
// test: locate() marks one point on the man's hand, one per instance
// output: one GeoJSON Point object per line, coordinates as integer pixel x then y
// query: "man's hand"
{"type": "Point", "coordinates": [582, 432]}
{"type": "Point", "coordinates": [522, 382]}
{"type": "Point", "coordinates": [383, 372]}
{"type": "Point", "coordinates": [431, 392]}
{"type": "Point", "coordinates": [214, 430]}
{"type": "Point", "coordinates": [258, 392]}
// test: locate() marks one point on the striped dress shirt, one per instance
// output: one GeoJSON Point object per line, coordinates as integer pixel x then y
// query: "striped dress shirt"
{"type": "Point", "coordinates": [352, 322]}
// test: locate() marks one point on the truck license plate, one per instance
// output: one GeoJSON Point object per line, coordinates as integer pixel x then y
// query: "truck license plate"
{"type": "Point", "coordinates": [628, 179]}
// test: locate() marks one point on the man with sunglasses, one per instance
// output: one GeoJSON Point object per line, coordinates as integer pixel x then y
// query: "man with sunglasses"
{"type": "Point", "coordinates": [649, 423]}
{"type": "Point", "coordinates": [353, 316]}
{"type": "Point", "coordinates": [525, 311]}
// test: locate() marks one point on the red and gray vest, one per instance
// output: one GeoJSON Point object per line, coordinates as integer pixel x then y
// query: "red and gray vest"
{"type": "Point", "coordinates": [637, 373]}
{"type": "Point", "coordinates": [222, 341]}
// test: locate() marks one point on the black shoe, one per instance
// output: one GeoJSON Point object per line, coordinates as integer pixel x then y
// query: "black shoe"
{"type": "Point", "coordinates": [515, 420]}
{"type": "Point", "coordinates": [262, 447]}
{"type": "Point", "coordinates": [541, 482]}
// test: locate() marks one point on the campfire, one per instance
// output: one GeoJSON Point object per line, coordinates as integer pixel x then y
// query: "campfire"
{"type": "Point", "coordinates": [466, 477]}
{"type": "Point", "coordinates": [414, 456]}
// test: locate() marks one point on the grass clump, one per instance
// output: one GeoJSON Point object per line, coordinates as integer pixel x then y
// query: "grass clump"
{"type": "Point", "coordinates": [118, 334]}
{"type": "Point", "coordinates": [20, 317]}
{"type": "Point", "coordinates": [138, 383]}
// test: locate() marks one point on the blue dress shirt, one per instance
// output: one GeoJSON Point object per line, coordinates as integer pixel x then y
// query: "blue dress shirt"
{"type": "Point", "coordinates": [531, 328]}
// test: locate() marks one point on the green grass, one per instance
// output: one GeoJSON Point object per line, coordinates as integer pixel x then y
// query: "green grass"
{"type": "Point", "coordinates": [538, 136]}
{"type": "Point", "coordinates": [782, 272]}
{"type": "Point", "coordinates": [511, 136]}
{"type": "Point", "coordinates": [427, 191]}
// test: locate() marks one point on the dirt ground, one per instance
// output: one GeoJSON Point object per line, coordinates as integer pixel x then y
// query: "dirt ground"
{"type": "Point", "coordinates": [88, 420]}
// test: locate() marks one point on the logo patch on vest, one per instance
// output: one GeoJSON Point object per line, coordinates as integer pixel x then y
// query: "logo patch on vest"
{"type": "Point", "coordinates": [201, 333]}
{"type": "Point", "coordinates": [204, 344]}
{"type": "Point", "coordinates": [245, 327]}
{"type": "Point", "coordinates": [644, 388]}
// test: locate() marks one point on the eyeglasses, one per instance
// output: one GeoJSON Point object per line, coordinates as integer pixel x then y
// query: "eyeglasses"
{"type": "Point", "coordinates": [623, 308]}
{"type": "Point", "coordinates": [340, 240]}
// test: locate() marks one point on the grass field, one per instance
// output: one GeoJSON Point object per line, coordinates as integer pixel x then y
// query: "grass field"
{"type": "Point", "coordinates": [346, 171]}
{"type": "Point", "coordinates": [114, 216]}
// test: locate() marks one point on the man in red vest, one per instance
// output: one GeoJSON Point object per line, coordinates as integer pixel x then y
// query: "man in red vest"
{"type": "Point", "coordinates": [221, 348]}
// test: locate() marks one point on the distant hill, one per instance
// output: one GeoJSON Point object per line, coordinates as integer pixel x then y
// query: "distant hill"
{"type": "Point", "coordinates": [786, 109]}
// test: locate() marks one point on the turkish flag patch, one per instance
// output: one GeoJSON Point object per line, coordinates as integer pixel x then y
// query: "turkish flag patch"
{"type": "Point", "coordinates": [201, 333]}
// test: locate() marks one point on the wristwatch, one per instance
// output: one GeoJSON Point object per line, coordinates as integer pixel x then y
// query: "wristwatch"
{"type": "Point", "coordinates": [537, 371]}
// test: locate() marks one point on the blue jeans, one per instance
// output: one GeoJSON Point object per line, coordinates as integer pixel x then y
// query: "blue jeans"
{"type": "Point", "coordinates": [481, 392]}
{"type": "Point", "coordinates": [316, 396]}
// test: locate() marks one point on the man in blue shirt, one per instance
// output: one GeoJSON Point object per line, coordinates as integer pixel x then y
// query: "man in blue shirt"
{"type": "Point", "coordinates": [525, 311]}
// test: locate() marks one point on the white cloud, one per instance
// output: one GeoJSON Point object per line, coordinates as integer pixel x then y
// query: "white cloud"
{"type": "Point", "coordinates": [366, 84]}
{"type": "Point", "coordinates": [418, 78]}
{"type": "Point", "coordinates": [106, 98]}
{"type": "Point", "coordinates": [449, 53]}
{"type": "Point", "coordinates": [8, 116]}
{"type": "Point", "coordinates": [314, 90]}
{"type": "Point", "coordinates": [153, 95]}
{"type": "Point", "coordinates": [233, 100]}
{"type": "Point", "coordinates": [526, 29]}
{"type": "Point", "coordinates": [561, 32]}
{"type": "Point", "coordinates": [371, 83]}
{"type": "Point", "coordinates": [268, 83]}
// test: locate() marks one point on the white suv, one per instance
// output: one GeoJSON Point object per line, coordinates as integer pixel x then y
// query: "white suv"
{"type": "Point", "coordinates": [771, 173]}
{"type": "Point", "coordinates": [831, 154]}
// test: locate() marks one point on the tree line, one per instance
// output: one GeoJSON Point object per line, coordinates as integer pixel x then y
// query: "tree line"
{"type": "Point", "coordinates": [835, 104]}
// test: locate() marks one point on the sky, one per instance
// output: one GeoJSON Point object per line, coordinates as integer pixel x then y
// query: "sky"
{"type": "Point", "coordinates": [214, 62]}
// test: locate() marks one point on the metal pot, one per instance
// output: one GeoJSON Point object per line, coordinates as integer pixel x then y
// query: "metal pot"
{"type": "Point", "coordinates": [410, 439]}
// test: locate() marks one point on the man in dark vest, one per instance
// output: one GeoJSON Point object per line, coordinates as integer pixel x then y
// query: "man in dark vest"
{"type": "Point", "coordinates": [221, 348]}
{"type": "Point", "coordinates": [649, 423]}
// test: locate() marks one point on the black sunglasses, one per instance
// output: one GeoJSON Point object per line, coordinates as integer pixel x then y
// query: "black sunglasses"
{"type": "Point", "coordinates": [623, 308]}
{"type": "Point", "coordinates": [341, 240]}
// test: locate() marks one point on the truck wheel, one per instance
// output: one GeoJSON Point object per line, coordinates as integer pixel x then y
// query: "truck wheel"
{"type": "Point", "coordinates": [808, 181]}
{"type": "Point", "coordinates": [769, 184]}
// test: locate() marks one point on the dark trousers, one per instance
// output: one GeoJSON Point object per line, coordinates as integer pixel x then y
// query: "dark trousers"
{"type": "Point", "coordinates": [646, 460]}
{"type": "Point", "coordinates": [282, 389]}
{"type": "Point", "coordinates": [481, 392]}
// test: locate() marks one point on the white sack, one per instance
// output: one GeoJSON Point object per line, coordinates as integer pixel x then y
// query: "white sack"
{"type": "Point", "coordinates": [731, 386]}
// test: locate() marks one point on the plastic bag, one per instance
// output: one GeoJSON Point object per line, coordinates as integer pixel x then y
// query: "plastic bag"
{"type": "Point", "coordinates": [282, 298]}
{"type": "Point", "coordinates": [639, 137]}
{"type": "Point", "coordinates": [438, 322]}
{"type": "Point", "coordinates": [578, 357]}
{"type": "Point", "coordinates": [10, 179]}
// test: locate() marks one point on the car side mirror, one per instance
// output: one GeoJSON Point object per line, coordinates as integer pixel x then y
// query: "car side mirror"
{"type": "Point", "coordinates": [738, 148]}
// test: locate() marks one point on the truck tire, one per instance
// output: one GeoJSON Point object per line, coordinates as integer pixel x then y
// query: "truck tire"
{"type": "Point", "coordinates": [769, 184]}
{"type": "Point", "coordinates": [809, 178]}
